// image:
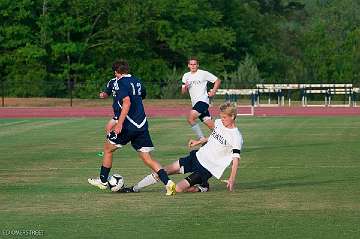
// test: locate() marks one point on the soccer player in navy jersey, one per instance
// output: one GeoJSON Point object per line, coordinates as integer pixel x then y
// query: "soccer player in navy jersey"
{"type": "Point", "coordinates": [131, 126]}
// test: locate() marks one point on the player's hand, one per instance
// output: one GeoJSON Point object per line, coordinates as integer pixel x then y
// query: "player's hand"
{"type": "Point", "coordinates": [184, 88]}
{"type": "Point", "coordinates": [103, 95]}
{"type": "Point", "coordinates": [193, 143]}
{"type": "Point", "coordinates": [211, 93]}
{"type": "Point", "coordinates": [117, 128]}
{"type": "Point", "coordinates": [230, 184]}
{"type": "Point", "coordinates": [187, 85]}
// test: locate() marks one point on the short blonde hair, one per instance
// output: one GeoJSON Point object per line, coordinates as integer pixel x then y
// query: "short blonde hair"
{"type": "Point", "coordinates": [229, 109]}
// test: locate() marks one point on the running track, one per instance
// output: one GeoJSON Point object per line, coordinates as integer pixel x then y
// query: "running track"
{"type": "Point", "coordinates": [57, 112]}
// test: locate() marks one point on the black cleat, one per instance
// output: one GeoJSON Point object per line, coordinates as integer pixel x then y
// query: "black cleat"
{"type": "Point", "coordinates": [127, 190]}
{"type": "Point", "coordinates": [203, 187]}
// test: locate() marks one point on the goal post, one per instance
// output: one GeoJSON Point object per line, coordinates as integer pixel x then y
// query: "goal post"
{"type": "Point", "coordinates": [245, 110]}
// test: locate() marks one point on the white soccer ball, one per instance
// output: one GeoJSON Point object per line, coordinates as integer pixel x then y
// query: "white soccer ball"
{"type": "Point", "coordinates": [116, 182]}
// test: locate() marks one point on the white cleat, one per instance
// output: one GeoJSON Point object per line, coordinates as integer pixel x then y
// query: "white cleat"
{"type": "Point", "coordinates": [97, 183]}
{"type": "Point", "coordinates": [202, 189]}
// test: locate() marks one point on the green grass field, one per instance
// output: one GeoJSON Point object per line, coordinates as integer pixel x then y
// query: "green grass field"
{"type": "Point", "coordinates": [299, 178]}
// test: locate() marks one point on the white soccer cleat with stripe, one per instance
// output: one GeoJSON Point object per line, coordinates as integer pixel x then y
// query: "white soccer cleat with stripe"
{"type": "Point", "coordinates": [97, 183]}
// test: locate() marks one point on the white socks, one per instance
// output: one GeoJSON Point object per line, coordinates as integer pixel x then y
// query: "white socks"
{"type": "Point", "coordinates": [147, 181]}
{"type": "Point", "coordinates": [197, 130]}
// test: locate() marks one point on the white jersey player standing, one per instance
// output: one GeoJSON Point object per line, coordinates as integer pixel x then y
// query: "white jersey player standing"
{"type": "Point", "coordinates": [195, 82]}
{"type": "Point", "coordinates": [223, 147]}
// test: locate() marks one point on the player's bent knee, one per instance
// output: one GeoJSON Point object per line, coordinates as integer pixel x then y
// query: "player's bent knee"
{"type": "Point", "coordinates": [110, 148]}
{"type": "Point", "coordinates": [193, 116]}
{"type": "Point", "coordinates": [194, 178]}
{"type": "Point", "coordinates": [178, 189]}
{"type": "Point", "coordinates": [191, 121]}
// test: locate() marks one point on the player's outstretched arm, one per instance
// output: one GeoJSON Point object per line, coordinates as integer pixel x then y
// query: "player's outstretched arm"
{"type": "Point", "coordinates": [231, 180]}
{"type": "Point", "coordinates": [192, 142]}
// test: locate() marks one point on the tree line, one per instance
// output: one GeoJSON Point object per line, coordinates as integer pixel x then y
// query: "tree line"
{"type": "Point", "coordinates": [45, 44]}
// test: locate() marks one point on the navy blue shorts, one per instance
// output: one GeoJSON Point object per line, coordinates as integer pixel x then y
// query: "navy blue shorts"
{"type": "Point", "coordinates": [191, 164]}
{"type": "Point", "coordinates": [140, 140]}
{"type": "Point", "coordinates": [202, 108]}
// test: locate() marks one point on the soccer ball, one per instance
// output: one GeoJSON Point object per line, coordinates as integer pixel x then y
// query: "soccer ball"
{"type": "Point", "coordinates": [116, 182]}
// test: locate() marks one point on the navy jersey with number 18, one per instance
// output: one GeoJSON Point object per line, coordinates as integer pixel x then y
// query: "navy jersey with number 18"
{"type": "Point", "coordinates": [132, 87]}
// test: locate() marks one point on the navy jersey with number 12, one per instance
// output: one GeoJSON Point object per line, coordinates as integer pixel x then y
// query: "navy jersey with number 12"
{"type": "Point", "coordinates": [132, 87]}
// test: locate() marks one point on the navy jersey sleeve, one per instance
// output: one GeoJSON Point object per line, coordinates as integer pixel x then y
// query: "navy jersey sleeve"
{"type": "Point", "coordinates": [108, 88]}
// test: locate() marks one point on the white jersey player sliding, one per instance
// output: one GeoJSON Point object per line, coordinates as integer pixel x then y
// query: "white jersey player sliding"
{"type": "Point", "coordinates": [222, 148]}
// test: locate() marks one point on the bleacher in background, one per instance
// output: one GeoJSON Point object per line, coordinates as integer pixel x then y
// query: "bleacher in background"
{"type": "Point", "coordinates": [275, 94]}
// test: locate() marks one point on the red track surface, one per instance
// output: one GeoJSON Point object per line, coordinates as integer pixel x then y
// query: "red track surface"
{"type": "Point", "coordinates": [307, 111]}
{"type": "Point", "coordinates": [56, 112]}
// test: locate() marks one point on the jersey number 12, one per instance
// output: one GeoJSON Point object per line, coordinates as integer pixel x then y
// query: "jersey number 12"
{"type": "Point", "coordinates": [136, 89]}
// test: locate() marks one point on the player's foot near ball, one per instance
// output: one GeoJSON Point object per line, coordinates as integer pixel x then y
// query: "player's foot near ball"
{"type": "Point", "coordinates": [170, 188]}
{"type": "Point", "coordinates": [97, 183]}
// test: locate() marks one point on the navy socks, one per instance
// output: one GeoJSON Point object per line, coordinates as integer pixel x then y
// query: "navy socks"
{"type": "Point", "coordinates": [163, 176]}
{"type": "Point", "coordinates": [104, 174]}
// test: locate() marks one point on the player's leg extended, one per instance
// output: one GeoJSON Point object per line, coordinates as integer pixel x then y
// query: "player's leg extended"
{"type": "Point", "coordinates": [153, 178]}
{"type": "Point", "coordinates": [156, 167]}
{"type": "Point", "coordinates": [173, 168]}
{"type": "Point", "coordinates": [107, 161]}
{"type": "Point", "coordinates": [209, 122]}
{"type": "Point", "coordinates": [101, 182]}
{"type": "Point", "coordinates": [108, 154]}
{"type": "Point", "coordinates": [149, 161]}
{"type": "Point", "coordinates": [187, 184]}
{"type": "Point", "coordinates": [206, 118]}
{"type": "Point", "coordinates": [195, 127]}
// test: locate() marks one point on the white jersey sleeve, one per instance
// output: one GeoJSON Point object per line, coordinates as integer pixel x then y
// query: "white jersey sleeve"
{"type": "Point", "coordinates": [210, 77]}
{"type": "Point", "coordinates": [223, 145]}
{"type": "Point", "coordinates": [197, 83]}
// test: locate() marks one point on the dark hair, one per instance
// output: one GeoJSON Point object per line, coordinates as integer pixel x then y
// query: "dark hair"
{"type": "Point", "coordinates": [121, 66]}
{"type": "Point", "coordinates": [193, 58]}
